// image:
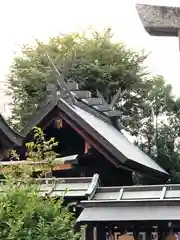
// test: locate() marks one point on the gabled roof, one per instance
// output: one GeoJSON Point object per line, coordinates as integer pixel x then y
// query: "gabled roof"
{"type": "Point", "coordinates": [94, 105]}
{"type": "Point", "coordinates": [93, 118]}
{"type": "Point", "coordinates": [8, 137]}
{"type": "Point", "coordinates": [109, 141]}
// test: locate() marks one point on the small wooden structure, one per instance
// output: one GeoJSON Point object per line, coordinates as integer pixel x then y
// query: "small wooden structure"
{"type": "Point", "coordinates": [90, 128]}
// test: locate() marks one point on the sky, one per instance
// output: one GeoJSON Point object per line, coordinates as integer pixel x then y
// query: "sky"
{"type": "Point", "coordinates": [22, 21]}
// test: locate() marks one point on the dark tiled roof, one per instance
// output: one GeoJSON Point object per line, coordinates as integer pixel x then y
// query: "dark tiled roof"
{"type": "Point", "coordinates": [131, 213]}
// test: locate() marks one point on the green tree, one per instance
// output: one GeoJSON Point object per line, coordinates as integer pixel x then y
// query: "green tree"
{"type": "Point", "coordinates": [159, 130]}
{"type": "Point", "coordinates": [95, 62]}
{"type": "Point", "coordinates": [24, 214]}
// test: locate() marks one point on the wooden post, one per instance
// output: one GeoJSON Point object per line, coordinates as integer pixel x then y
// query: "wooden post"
{"type": "Point", "coordinates": [161, 234]}
{"type": "Point", "coordinates": [101, 232]}
{"type": "Point", "coordinates": [136, 234]}
{"type": "Point", "coordinates": [89, 233]}
{"type": "Point", "coordinates": [148, 235]}
{"type": "Point", "coordinates": [95, 233]}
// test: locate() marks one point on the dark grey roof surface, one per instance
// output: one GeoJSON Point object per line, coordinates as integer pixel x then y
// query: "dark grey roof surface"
{"type": "Point", "coordinates": [69, 187]}
{"type": "Point", "coordinates": [135, 203]}
{"type": "Point", "coordinates": [130, 213]}
{"type": "Point", "coordinates": [118, 141]}
{"type": "Point", "coordinates": [138, 193]}
{"type": "Point", "coordinates": [159, 20]}
{"type": "Point", "coordinates": [80, 187]}
{"type": "Point", "coordinates": [8, 136]}
{"type": "Point", "coordinates": [125, 152]}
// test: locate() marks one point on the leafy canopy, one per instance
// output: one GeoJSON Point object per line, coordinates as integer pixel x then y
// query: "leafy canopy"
{"type": "Point", "coordinates": [95, 62]}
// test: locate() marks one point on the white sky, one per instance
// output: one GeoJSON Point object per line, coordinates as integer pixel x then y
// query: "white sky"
{"type": "Point", "coordinates": [21, 20]}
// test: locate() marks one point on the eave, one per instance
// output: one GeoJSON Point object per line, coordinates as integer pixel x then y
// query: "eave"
{"type": "Point", "coordinates": [75, 188]}
{"type": "Point", "coordinates": [59, 164]}
{"type": "Point", "coordinates": [129, 205]}
{"type": "Point", "coordinates": [9, 138]}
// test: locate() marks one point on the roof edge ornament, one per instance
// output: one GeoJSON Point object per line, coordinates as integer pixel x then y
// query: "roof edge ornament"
{"type": "Point", "coordinates": [60, 78]}
{"type": "Point", "coordinates": [61, 82]}
{"type": "Point", "coordinates": [101, 96]}
{"type": "Point", "coordinates": [115, 98]}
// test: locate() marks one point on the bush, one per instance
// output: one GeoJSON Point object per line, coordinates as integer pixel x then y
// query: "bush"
{"type": "Point", "coordinates": [24, 215]}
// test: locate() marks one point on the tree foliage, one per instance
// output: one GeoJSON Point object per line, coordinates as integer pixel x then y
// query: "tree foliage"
{"type": "Point", "coordinates": [149, 110]}
{"type": "Point", "coordinates": [95, 63]}
{"type": "Point", "coordinates": [158, 132]}
{"type": "Point", "coordinates": [24, 214]}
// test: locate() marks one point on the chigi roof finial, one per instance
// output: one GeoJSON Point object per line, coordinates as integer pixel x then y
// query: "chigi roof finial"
{"type": "Point", "coordinates": [60, 78]}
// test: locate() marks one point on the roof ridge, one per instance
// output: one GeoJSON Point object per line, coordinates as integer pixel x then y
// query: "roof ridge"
{"type": "Point", "coordinates": [97, 106]}
{"type": "Point", "coordinates": [97, 103]}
